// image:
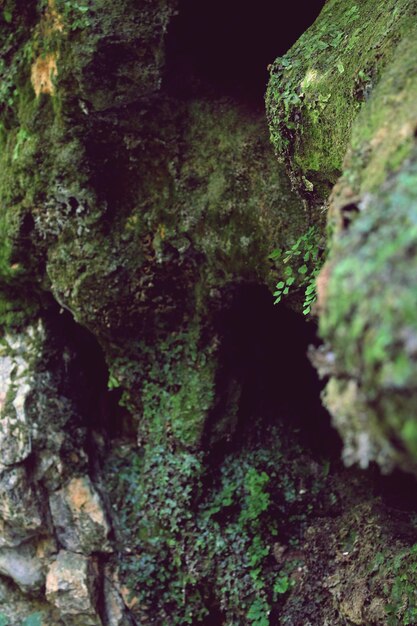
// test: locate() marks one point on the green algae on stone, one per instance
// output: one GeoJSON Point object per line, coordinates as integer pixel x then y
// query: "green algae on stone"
{"type": "Point", "coordinates": [370, 317]}
{"type": "Point", "coordinates": [343, 101]}
{"type": "Point", "coordinates": [317, 89]}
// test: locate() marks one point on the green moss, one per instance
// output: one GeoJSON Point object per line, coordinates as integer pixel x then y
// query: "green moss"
{"type": "Point", "coordinates": [383, 134]}
{"type": "Point", "coordinates": [317, 89]}
{"type": "Point", "coordinates": [370, 319]}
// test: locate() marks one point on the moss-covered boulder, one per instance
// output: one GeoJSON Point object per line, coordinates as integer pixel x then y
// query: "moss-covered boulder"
{"type": "Point", "coordinates": [318, 88]}
{"type": "Point", "coordinates": [343, 100]}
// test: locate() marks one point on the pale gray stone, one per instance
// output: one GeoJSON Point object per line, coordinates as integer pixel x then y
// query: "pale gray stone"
{"type": "Point", "coordinates": [20, 508]}
{"type": "Point", "coordinates": [23, 566]}
{"type": "Point", "coordinates": [15, 434]}
{"type": "Point", "coordinates": [114, 605]}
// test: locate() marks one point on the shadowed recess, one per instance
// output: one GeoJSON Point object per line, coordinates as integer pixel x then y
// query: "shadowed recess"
{"type": "Point", "coordinates": [228, 45]}
{"type": "Point", "coordinates": [265, 371]}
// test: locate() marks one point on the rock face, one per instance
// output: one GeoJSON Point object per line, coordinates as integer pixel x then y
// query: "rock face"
{"type": "Point", "coordinates": [353, 113]}
{"type": "Point", "coordinates": [71, 585]}
{"type": "Point", "coordinates": [79, 517]}
{"type": "Point", "coordinates": [137, 205]}
{"type": "Point", "coordinates": [152, 468]}
{"type": "Point", "coordinates": [15, 438]}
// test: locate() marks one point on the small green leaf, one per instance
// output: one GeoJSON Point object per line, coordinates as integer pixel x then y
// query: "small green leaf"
{"type": "Point", "coordinates": [303, 269]}
{"type": "Point", "coordinates": [275, 254]}
{"type": "Point", "coordinates": [8, 16]}
{"type": "Point", "coordinates": [322, 45]}
{"type": "Point", "coordinates": [282, 584]}
{"type": "Point", "coordinates": [340, 67]}
{"type": "Point", "coordinates": [280, 285]}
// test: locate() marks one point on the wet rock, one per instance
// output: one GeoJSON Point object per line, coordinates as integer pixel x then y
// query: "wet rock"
{"type": "Point", "coordinates": [71, 586]}
{"type": "Point", "coordinates": [79, 517]}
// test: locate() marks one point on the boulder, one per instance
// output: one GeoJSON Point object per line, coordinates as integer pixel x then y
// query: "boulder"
{"type": "Point", "coordinates": [79, 517]}
{"type": "Point", "coordinates": [71, 586]}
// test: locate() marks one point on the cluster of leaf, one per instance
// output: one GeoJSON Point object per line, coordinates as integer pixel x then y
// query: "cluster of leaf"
{"type": "Point", "coordinates": [16, 54]}
{"type": "Point", "coordinates": [402, 571]}
{"type": "Point", "coordinates": [301, 263]}
{"type": "Point", "coordinates": [76, 13]}
{"type": "Point", "coordinates": [201, 540]}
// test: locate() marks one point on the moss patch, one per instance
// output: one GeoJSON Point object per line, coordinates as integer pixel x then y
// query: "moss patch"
{"type": "Point", "coordinates": [317, 89]}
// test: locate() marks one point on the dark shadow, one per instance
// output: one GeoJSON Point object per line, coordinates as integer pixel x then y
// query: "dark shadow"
{"type": "Point", "coordinates": [229, 44]}
{"type": "Point", "coordinates": [397, 490]}
{"type": "Point", "coordinates": [265, 375]}
{"type": "Point", "coordinates": [86, 376]}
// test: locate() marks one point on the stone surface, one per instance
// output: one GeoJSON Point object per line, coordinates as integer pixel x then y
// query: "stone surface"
{"type": "Point", "coordinates": [115, 607]}
{"type": "Point", "coordinates": [338, 106]}
{"type": "Point", "coordinates": [17, 354]}
{"type": "Point", "coordinates": [23, 566]}
{"type": "Point", "coordinates": [16, 608]}
{"type": "Point", "coordinates": [21, 515]}
{"type": "Point", "coordinates": [79, 518]}
{"type": "Point", "coordinates": [318, 88]}
{"type": "Point", "coordinates": [71, 585]}
{"type": "Point", "coordinates": [143, 202]}
{"type": "Point", "coordinates": [368, 310]}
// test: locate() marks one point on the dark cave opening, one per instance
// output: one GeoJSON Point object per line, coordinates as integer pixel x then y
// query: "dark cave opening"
{"type": "Point", "coordinates": [265, 372]}
{"type": "Point", "coordinates": [229, 45]}
{"type": "Point", "coordinates": [264, 356]}
{"type": "Point", "coordinates": [86, 376]}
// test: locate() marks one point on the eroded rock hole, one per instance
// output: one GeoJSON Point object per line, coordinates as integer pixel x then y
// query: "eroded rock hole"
{"type": "Point", "coordinates": [85, 378]}
{"type": "Point", "coordinates": [229, 45]}
{"type": "Point", "coordinates": [265, 376]}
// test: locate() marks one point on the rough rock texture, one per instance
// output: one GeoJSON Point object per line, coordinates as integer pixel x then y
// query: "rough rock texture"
{"type": "Point", "coordinates": [160, 462]}
{"type": "Point", "coordinates": [351, 107]}
{"type": "Point", "coordinates": [138, 209]}
{"type": "Point", "coordinates": [318, 88]}
{"type": "Point", "coordinates": [71, 585]}
{"type": "Point", "coordinates": [79, 517]}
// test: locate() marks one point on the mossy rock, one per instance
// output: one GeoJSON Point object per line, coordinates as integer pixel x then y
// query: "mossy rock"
{"type": "Point", "coordinates": [317, 89]}
{"type": "Point", "coordinates": [367, 287]}
{"type": "Point", "coordinates": [370, 323]}
{"type": "Point", "coordinates": [136, 209]}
